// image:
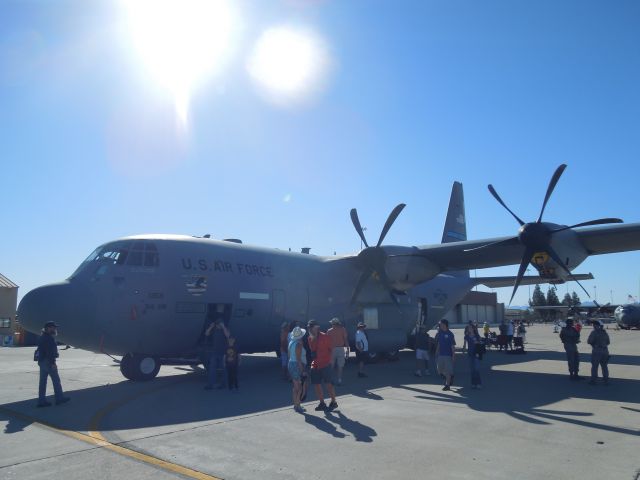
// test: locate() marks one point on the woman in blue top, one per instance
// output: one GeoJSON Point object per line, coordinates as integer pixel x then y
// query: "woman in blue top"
{"type": "Point", "coordinates": [296, 366]}
{"type": "Point", "coordinates": [472, 337]}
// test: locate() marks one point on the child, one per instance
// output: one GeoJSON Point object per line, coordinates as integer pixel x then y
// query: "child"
{"type": "Point", "coordinates": [231, 358]}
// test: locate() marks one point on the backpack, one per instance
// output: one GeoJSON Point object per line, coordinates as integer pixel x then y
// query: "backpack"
{"type": "Point", "coordinates": [36, 355]}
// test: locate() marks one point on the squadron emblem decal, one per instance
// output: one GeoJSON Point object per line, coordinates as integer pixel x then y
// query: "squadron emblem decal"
{"type": "Point", "coordinates": [196, 284]}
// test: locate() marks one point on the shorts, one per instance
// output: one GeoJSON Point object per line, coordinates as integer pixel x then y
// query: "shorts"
{"type": "Point", "coordinates": [284, 359]}
{"type": "Point", "coordinates": [337, 356]}
{"type": "Point", "coordinates": [321, 375]}
{"type": "Point", "coordinates": [422, 354]}
{"type": "Point", "coordinates": [295, 372]}
{"type": "Point", "coordinates": [445, 365]}
{"type": "Point", "coordinates": [362, 356]}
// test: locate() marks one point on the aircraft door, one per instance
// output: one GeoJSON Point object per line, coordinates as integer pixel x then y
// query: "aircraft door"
{"type": "Point", "coordinates": [217, 311]}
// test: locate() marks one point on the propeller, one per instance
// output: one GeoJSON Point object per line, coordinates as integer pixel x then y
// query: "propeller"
{"type": "Point", "coordinates": [536, 236]}
{"type": "Point", "coordinates": [372, 259]}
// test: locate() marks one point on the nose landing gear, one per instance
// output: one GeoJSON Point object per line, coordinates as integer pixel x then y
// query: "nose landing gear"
{"type": "Point", "coordinates": [139, 367]}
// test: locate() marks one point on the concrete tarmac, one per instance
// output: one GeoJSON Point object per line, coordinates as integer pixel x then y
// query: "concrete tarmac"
{"type": "Point", "coordinates": [528, 422]}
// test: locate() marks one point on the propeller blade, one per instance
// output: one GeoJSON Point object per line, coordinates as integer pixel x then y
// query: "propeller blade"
{"type": "Point", "coordinates": [361, 281]}
{"type": "Point", "coordinates": [600, 221]}
{"type": "Point", "coordinates": [552, 185]}
{"type": "Point", "coordinates": [526, 258]}
{"type": "Point", "coordinates": [508, 242]}
{"type": "Point", "coordinates": [392, 218]}
{"type": "Point", "coordinates": [552, 253]}
{"type": "Point", "coordinates": [497, 197]}
{"type": "Point", "coordinates": [356, 223]}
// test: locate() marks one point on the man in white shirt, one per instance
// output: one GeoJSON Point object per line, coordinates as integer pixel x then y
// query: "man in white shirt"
{"type": "Point", "coordinates": [362, 348]}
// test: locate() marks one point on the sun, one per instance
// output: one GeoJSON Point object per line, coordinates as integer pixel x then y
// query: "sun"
{"type": "Point", "coordinates": [181, 43]}
{"type": "Point", "coordinates": [289, 63]}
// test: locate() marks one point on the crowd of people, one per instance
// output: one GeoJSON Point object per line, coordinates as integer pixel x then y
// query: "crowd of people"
{"type": "Point", "coordinates": [313, 356]}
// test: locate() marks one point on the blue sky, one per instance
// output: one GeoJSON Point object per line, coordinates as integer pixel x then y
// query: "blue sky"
{"type": "Point", "coordinates": [415, 96]}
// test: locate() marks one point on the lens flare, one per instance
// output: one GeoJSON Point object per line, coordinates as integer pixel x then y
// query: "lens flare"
{"type": "Point", "coordinates": [289, 64]}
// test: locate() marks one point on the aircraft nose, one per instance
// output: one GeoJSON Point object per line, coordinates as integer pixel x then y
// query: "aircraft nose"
{"type": "Point", "coordinates": [44, 304]}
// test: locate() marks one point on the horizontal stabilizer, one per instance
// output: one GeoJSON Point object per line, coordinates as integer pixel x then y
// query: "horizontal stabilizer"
{"type": "Point", "coordinates": [498, 282]}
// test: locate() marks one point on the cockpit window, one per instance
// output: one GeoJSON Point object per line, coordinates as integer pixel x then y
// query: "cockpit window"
{"type": "Point", "coordinates": [126, 252]}
{"type": "Point", "coordinates": [143, 254]}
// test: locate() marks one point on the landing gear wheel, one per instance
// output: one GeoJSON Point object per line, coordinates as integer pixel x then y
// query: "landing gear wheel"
{"type": "Point", "coordinates": [139, 367]}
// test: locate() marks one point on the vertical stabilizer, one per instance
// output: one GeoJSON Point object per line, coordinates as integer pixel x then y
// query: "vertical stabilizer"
{"type": "Point", "coordinates": [455, 227]}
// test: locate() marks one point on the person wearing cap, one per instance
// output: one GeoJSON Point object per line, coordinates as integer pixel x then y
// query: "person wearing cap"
{"type": "Point", "coordinates": [599, 341]}
{"type": "Point", "coordinates": [362, 348]}
{"type": "Point", "coordinates": [47, 353]}
{"type": "Point", "coordinates": [570, 339]}
{"type": "Point", "coordinates": [340, 342]}
{"type": "Point", "coordinates": [445, 352]}
{"type": "Point", "coordinates": [297, 364]}
{"type": "Point", "coordinates": [320, 373]}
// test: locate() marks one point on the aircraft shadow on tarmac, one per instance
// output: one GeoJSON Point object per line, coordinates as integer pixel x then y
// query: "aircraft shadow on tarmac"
{"type": "Point", "coordinates": [176, 399]}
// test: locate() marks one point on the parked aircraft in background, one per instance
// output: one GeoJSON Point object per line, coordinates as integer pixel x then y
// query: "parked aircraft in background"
{"type": "Point", "coordinates": [628, 316]}
{"type": "Point", "coordinates": [150, 297]}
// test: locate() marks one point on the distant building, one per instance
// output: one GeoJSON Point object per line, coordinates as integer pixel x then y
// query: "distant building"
{"type": "Point", "coordinates": [478, 307]}
{"type": "Point", "coordinates": [8, 307]}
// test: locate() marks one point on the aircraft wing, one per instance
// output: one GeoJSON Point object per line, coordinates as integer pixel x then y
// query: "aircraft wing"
{"type": "Point", "coordinates": [497, 282]}
{"type": "Point", "coordinates": [610, 239]}
{"type": "Point", "coordinates": [462, 256]}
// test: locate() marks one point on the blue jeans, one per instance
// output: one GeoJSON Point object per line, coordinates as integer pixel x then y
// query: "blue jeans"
{"type": "Point", "coordinates": [216, 369]}
{"type": "Point", "coordinates": [48, 370]}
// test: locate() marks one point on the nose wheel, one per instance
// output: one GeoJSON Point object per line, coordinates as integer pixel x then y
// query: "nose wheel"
{"type": "Point", "coordinates": [139, 367]}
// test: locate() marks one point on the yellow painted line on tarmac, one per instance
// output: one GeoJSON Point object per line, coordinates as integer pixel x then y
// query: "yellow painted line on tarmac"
{"type": "Point", "coordinates": [94, 437]}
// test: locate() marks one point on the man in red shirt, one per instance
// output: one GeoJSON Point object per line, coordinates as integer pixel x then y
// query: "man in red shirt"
{"type": "Point", "coordinates": [340, 345]}
{"type": "Point", "coordinates": [321, 348]}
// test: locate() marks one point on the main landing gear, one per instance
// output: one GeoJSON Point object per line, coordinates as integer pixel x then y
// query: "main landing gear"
{"type": "Point", "coordinates": [139, 367]}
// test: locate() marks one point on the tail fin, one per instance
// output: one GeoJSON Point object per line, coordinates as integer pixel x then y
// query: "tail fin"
{"type": "Point", "coordinates": [455, 227]}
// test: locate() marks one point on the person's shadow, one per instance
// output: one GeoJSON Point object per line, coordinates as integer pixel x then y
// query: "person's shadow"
{"type": "Point", "coordinates": [321, 424]}
{"type": "Point", "coordinates": [361, 432]}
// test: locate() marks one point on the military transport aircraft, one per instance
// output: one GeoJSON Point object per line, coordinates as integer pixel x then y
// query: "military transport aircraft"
{"type": "Point", "coordinates": [149, 297]}
{"type": "Point", "coordinates": [628, 316]}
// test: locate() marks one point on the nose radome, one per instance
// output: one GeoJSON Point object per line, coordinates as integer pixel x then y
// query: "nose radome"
{"type": "Point", "coordinates": [44, 304]}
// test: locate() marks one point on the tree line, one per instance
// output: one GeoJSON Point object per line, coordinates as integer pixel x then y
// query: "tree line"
{"type": "Point", "coordinates": [539, 299]}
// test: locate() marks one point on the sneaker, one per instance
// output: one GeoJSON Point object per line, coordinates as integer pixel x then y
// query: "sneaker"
{"type": "Point", "coordinates": [62, 400]}
{"type": "Point", "coordinates": [446, 387]}
{"type": "Point", "coordinates": [362, 375]}
{"type": "Point", "coordinates": [333, 405]}
{"type": "Point", "coordinates": [321, 407]}
{"type": "Point", "coordinates": [43, 404]}
{"type": "Point", "coordinates": [299, 409]}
